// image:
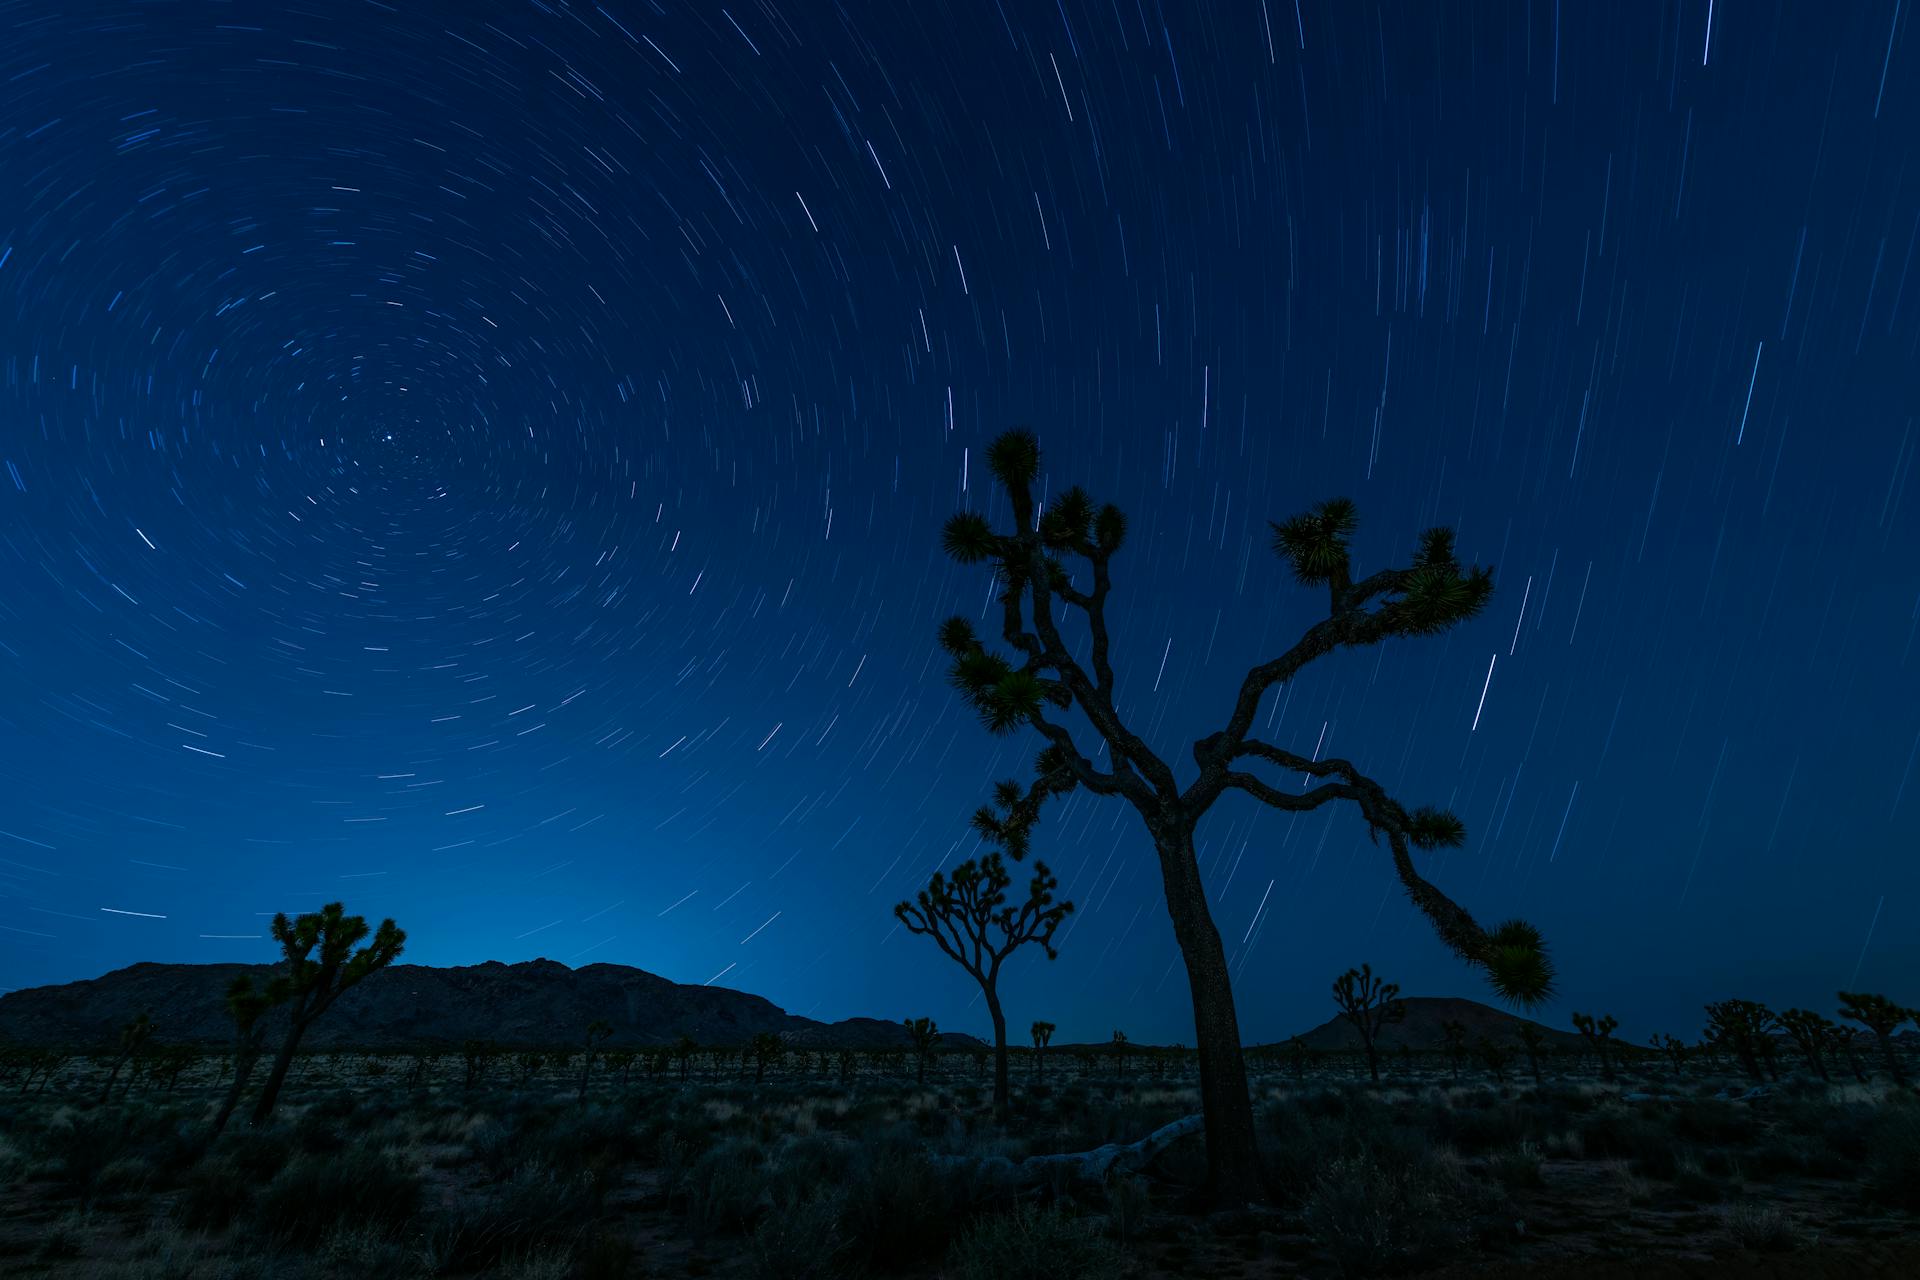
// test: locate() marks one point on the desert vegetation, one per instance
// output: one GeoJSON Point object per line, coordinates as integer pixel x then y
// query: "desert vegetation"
{"type": "Point", "coordinates": [728, 1160]}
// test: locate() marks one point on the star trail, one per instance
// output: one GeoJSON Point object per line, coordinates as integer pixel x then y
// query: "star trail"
{"type": "Point", "coordinates": [484, 462]}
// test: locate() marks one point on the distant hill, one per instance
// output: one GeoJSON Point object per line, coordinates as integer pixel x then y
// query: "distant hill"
{"type": "Point", "coordinates": [1421, 1030]}
{"type": "Point", "coordinates": [540, 1003]}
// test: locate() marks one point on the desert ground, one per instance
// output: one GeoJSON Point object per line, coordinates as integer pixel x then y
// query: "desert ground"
{"type": "Point", "coordinates": [838, 1164]}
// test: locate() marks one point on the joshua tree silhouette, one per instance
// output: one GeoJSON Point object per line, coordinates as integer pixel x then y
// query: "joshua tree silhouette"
{"type": "Point", "coordinates": [969, 916]}
{"type": "Point", "coordinates": [1369, 1004]}
{"type": "Point", "coordinates": [246, 1006]}
{"type": "Point", "coordinates": [1599, 1034]}
{"type": "Point", "coordinates": [313, 985]}
{"type": "Point", "coordinates": [1428, 596]}
{"type": "Point", "coordinates": [1741, 1025]}
{"type": "Point", "coordinates": [1042, 1037]}
{"type": "Point", "coordinates": [1809, 1033]}
{"type": "Point", "coordinates": [1882, 1017]}
{"type": "Point", "coordinates": [925, 1034]}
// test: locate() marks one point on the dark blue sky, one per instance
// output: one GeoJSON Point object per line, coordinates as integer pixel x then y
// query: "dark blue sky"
{"type": "Point", "coordinates": [484, 462]}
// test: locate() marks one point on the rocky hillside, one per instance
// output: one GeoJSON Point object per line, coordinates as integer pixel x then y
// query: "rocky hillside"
{"type": "Point", "coordinates": [539, 1003]}
{"type": "Point", "coordinates": [1421, 1030]}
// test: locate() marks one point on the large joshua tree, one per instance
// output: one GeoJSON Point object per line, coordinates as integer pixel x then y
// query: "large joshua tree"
{"type": "Point", "coordinates": [1042, 677]}
{"type": "Point", "coordinates": [1882, 1017]}
{"type": "Point", "coordinates": [1369, 1004]}
{"type": "Point", "coordinates": [970, 917]}
{"type": "Point", "coordinates": [314, 984]}
{"type": "Point", "coordinates": [247, 1006]}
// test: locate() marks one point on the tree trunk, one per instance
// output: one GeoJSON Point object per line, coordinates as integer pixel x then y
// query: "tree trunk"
{"type": "Point", "coordinates": [1373, 1062]}
{"type": "Point", "coordinates": [1000, 1090]}
{"type": "Point", "coordinates": [106, 1094]}
{"type": "Point", "coordinates": [243, 1066]}
{"type": "Point", "coordinates": [1893, 1062]}
{"type": "Point", "coordinates": [1234, 1174]}
{"type": "Point", "coordinates": [270, 1092]}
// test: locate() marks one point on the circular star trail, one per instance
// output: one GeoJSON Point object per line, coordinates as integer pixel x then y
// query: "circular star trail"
{"type": "Point", "coordinates": [483, 462]}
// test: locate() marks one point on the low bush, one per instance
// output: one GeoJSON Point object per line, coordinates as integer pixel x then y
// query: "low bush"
{"type": "Point", "coordinates": [358, 1186]}
{"type": "Point", "coordinates": [725, 1188]}
{"type": "Point", "coordinates": [899, 1208]}
{"type": "Point", "coordinates": [1762, 1228]}
{"type": "Point", "coordinates": [537, 1212]}
{"type": "Point", "coordinates": [1033, 1244]}
{"type": "Point", "coordinates": [801, 1239]}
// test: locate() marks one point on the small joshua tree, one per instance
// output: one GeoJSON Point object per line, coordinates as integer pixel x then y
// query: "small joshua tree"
{"type": "Point", "coordinates": [314, 984]}
{"type": "Point", "coordinates": [1673, 1050]}
{"type": "Point", "coordinates": [247, 1006]}
{"type": "Point", "coordinates": [1533, 1042]}
{"type": "Point", "coordinates": [1882, 1017]}
{"type": "Point", "coordinates": [924, 1034]}
{"type": "Point", "coordinates": [597, 1033]}
{"type": "Point", "coordinates": [1495, 1058]}
{"type": "Point", "coordinates": [133, 1038]}
{"type": "Point", "coordinates": [683, 1050]}
{"type": "Point", "coordinates": [1369, 1004]}
{"type": "Point", "coordinates": [1742, 1027]}
{"type": "Point", "coordinates": [1045, 675]}
{"type": "Point", "coordinates": [1455, 1037]}
{"type": "Point", "coordinates": [1119, 1051]}
{"type": "Point", "coordinates": [1042, 1037]}
{"type": "Point", "coordinates": [1810, 1033]}
{"type": "Point", "coordinates": [1598, 1033]}
{"type": "Point", "coordinates": [1846, 1042]}
{"type": "Point", "coordinates": [767, 1049]}
{"type": "Point", "coordinates": [970, 917]}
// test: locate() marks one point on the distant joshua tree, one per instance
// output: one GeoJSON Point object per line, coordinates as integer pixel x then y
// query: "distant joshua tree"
{"type": "Point", "coordinates": [1369, 1004]}
{"type": "Point", "coordinates": [1882, 1017]}
{"type": "Point", "coordinates": [1119, 1050]}
{"type": "Point", "coordinates": [313, 985]}
{"type": "Point", "coordinates": [1038, 595]}
{"type": "Point", "coordinates": [1741, 1026]}
{"type": "Point", "coordinates": [970, 917]}
{"type": "Point", "coordinates": [1455, 1037]}
{"type": "Point", "coordinates": [1495, 1058]}
{"type": "Point", "coordinates": [1534, 1043]}
{"type": "Point", "coordinates": [1674, 1051]}
{"type": "Point", "coordinates": [598, 1031]}
{"type": "Point", "coordinates": [1598, 1033]}
{"type": "Point", "coordinates": [767, 1049]}
{"type": "Point", "coordinates": [247, 1006]}
{"type": "Point", "coordinates": [924, 1034]}
{"type": "Point", "coordinates": [1810, 1034]}
{"type": "Point", "coordinates": [1042, 1037]}
{"type": "Point", "coordinates": [683, 1050]}
{"type": "Point", "coordinates": [133, 1038]}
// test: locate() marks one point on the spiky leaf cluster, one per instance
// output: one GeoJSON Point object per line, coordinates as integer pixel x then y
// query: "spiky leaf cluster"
{"type": "Point", "coordinates": [1315, 543]}
{"type": "Point", "coordinates": [1429, 828]}
{"type": "Point", "coordinates": [1014, 457]}
{"type": "Point", "coordinates": [1517, 965]}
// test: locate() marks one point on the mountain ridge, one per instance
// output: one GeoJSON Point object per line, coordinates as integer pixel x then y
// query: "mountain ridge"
{"type": "Point", "coordinates": [544, 1003]}
{"type": "Point", "coordinates": [532, 1004]}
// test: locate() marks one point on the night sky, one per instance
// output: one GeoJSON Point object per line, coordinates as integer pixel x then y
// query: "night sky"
{"type": "Point", "coordinates": [484, 461]}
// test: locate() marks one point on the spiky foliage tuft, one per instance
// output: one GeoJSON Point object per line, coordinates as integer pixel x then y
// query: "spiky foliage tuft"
{"type": "Point", "coordinates": [1110, 528]}
{"type": "Point", "coordinates": [968, 538]}
{"type": "Point", "coordinates": [1014, 457]}
{"type": "Point", "coordinates": [1011, 703]}
{"type": "Point", "coordinates": [957, 637]}
{"type": "Point", "coordinates": [1436, 548]}
{"type": "Point", "coordinates": [1435, 829]}
{"type": "Point", "coordinates": [1437, 596]}
{"type": "Point", "coordinates": [1066, 522]}
{"type": "Point", "coordinates": [1518, 967]}
{"type": "Point", "coordinates": [977, 673]}
{"type": "Point", "coordinates": [1315, 543]}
